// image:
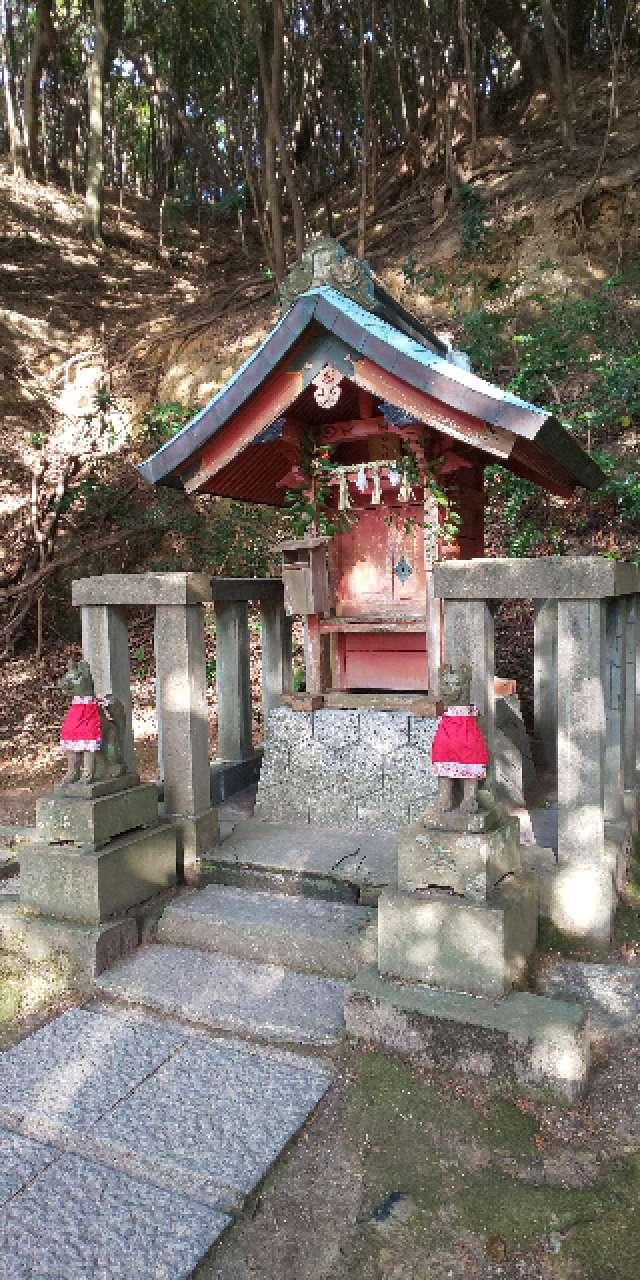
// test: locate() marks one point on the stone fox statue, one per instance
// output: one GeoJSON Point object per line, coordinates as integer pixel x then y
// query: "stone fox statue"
{"type": "Point", "coordinates": [459, 749]}
{"type": "Point", "coordinates": [91, 734]}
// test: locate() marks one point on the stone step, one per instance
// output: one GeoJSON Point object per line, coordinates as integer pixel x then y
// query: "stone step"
{"type": "Point", "coordinates": [333, 938]}
{"type": "Point", "coordinates": [223, 993]}
{"type": "Point", "coordinates": [347, 866]}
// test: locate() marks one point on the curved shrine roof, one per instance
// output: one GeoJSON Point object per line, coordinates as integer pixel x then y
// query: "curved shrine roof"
{"type": "Point", "coordinates": [219, 450]}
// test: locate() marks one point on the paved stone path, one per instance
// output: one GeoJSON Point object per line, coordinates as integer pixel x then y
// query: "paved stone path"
{"type": "Point", "coordinates": [126, 1142]}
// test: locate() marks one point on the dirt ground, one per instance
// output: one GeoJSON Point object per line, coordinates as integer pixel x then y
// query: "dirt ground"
{"type": "Point", "coordinates": [403, 1176]}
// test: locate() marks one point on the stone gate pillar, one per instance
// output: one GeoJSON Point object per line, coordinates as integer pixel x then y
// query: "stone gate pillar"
{"type": "Point", "coordinates": [545, 680]}
{"type": "Point", "coordinates": [105, 646]}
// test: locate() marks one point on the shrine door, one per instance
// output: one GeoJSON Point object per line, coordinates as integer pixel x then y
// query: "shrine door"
{"type": "Point", "coordinates": [379, 576]}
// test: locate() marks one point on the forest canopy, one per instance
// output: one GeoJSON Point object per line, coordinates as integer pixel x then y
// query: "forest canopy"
{"type": "Point", "coordinates": [258, 108]}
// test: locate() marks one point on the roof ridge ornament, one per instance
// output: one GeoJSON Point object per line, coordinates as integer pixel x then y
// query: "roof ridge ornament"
{"type": "Point", "coordinates": [324, 261]}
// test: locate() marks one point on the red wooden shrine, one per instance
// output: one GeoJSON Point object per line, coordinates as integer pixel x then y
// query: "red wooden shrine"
{"type": "Point", "coordinates": [347, 367]}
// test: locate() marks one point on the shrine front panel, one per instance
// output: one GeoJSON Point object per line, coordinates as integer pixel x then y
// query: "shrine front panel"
{"type": "Point", "coordinates": [378, 567]}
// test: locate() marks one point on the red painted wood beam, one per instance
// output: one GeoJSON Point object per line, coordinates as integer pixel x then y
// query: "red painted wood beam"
{"type": "Point", "coordinates": [453, 422]}
{"type": "Point", "coordinates": [267, 404]}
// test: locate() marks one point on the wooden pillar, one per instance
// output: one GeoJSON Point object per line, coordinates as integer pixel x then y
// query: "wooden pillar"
{"type": "Point", "coordinates": [432, 604]}
{"type": "Point", "coordinates": [316, 656]}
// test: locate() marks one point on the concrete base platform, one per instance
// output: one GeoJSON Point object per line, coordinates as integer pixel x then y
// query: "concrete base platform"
{"type": "Point", "coordinates": [257, 1000]}
{"type": "Point", "coordinates": [90, 886]}
{"type": "Point", "coordinates": [90, 949]}
{"type": "Point", "coordinates": [94, 820]}
{"type": "Point", "coordinates": [320, 861]}
{"type": "Point", "coordinates": [332, 938]}
{"type": "Point", "coordinates": [537, 1042]}
{"type": "Point", "coordinates": [457, 944]}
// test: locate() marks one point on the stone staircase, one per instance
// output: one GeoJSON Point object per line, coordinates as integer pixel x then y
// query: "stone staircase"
{"type": "Point", "coordinates": [174, 1090]}
{"type": "Point", "coordinates": [255, 962]}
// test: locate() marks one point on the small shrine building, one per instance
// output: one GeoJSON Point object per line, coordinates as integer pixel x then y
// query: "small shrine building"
{"type": "Point", "coordinates": [375, 433]}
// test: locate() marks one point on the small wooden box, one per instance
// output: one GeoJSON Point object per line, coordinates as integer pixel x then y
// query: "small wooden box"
{"type": "Point", "coordinates": [305, 575]}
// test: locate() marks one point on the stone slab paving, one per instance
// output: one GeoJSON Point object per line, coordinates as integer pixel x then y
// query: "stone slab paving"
{"type": "Point", "coordinates": [610, 992]}
{"type": "Point", "coordinates": [82, 1221]}
{"type": "Point", "coordinates": [154, 1132]}
{"type": "Point", "coordinates": [216, 1116]}
{"type": "Point", "coordinates": [358, 857]}
{"type": "Point", "coordinates": [224, 993]}
{"type": "Point", "coordinates": [304, 934]}
{"type": "Point", "coordinates": [21, 1159]}
{"type": "Point", "coordinates": [74, 1069]}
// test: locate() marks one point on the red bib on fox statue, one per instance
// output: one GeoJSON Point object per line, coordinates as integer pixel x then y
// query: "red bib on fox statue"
{"type": "Point", "coordinates": [459, 749]}
{"type": "Point", "coordinates": [81, 729]}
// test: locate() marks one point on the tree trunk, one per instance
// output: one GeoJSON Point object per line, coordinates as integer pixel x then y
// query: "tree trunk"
{"type": "Point", "coordinates": [17, 148]}
{"type": "Point", "coordinates": [273, 201]}
{"type": "Point", "coordinates": [95, 157]}
{"type": "Point", "coordinates": [44, 40]}
{"type": "Point", "coordinates": [272, 88]}
{"type": "Point", "coordinates": [464, 28]}
{"type": "Point", "coordinates": [558, 83]}
{"type": "Point", "coordinates": [365, 88]}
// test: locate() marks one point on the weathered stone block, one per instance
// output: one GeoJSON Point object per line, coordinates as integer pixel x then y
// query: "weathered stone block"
{"type": "Point", "coordinates": [289, 728]}
{"type": "Point", "coordinates": [196, 836]}
{"type": "Point", "coordinates": [275, 765]}
{"type": "Point", "coordinates": [464, 862]}
{"type": "Point", "coordinates": [514, 772]}
{"type": "Point", "coordinates": [90, 948]}
{"type": "Point", "coordinates": [62, 819]}
{"type": "Point", "coordinates": [383, 732]}
{"type": "Point", "coordinates": [534, 1041]}
{"type": "Point", "coordinates": [583, 901]}
{"type": "Point", "coordinates": [383, 811]}
{"type": "Point", "coordinates": [460, 945]}
{"type": "Point", "coordinates": [336, 729]}
{"type": "Point", "coordinates": [282, 803]}
{"type": "Point", "coordinates": [421, 733]}
{"type": "Point", "coordinates": [89, 885]}
{"type": "Point", "coordinates": [333, 808]}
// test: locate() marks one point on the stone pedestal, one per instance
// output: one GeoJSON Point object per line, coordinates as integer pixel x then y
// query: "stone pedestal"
{"type": "Point", "coordinates": [81, 820]}
{"type": "Point", "coordinates": [91, 885]}
{"type": "Point", "coordinates": [99, 854]}
{"type": "Point", "coordinates": [464, 916]}
{"type": "Point", "coordinates": [465, 862]}
{"type": "Point", "coordinates": [457, 943]}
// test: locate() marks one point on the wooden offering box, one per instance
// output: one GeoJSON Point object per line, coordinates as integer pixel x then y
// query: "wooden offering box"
{"type": "Point", "coordinates": [305, 576]}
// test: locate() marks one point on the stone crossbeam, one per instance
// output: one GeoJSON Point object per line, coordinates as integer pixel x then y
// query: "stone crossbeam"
{"type": "Point", "coordinates": [543, 578]}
